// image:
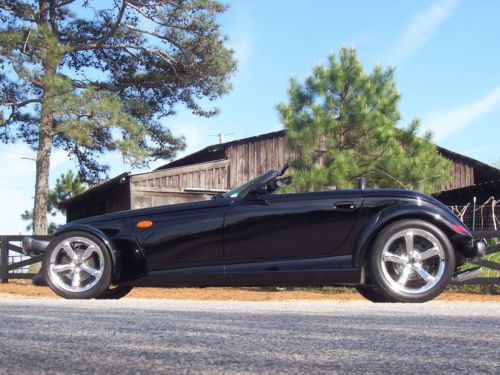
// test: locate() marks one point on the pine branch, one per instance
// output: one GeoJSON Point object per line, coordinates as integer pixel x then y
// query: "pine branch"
{"type": "Point", "coordinates": [54, 6]}
{"type": "Point", "coordinates": [155, 51]}
{"type": "Point", "coordinates": [390, 176]}
{"type": "Point", "coordinates": [52, 16]}
{"type": "Point", "coordinates": [159, 36]}
{"type": "Point", "coordinates": [18, 70]}
{"type": "Point", "coordinates": [15, 11]}
{"type": "Point", "coordinates": [26, 41]}
{"type": "Point", "coordinates": [113, 28]}
{"type": "Point", "coordinates": [21, 103]}
{"type": "Point", "coordinates": [149, 17]}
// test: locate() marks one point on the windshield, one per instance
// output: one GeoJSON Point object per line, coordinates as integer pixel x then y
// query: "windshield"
{"type": "Point", "coordinates": [243, 189]}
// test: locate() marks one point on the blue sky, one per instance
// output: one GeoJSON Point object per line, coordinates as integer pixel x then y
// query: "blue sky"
{"type": "Point", "coordinates": [446, 55]}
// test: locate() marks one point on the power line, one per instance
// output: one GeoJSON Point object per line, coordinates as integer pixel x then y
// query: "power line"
{"type": "Point", "coordinates": [17, 187]}
{"type": "Point", "coordinates": [16, 153]}
{"type": "Point", "coordinates": [18, 178]}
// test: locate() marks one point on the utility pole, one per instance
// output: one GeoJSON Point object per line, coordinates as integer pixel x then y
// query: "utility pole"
{"type": "Point", "coordinates": [221, 136]}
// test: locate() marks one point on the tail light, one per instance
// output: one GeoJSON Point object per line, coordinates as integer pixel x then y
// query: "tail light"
{"type": "Point", "coordinates": [459, 228]}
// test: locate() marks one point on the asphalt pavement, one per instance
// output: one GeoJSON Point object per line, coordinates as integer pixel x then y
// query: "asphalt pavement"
{"type": "Point", "coordinates": [133, 336]}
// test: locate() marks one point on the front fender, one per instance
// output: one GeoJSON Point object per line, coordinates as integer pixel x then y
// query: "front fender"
{"type": "Point", "coordinates": [113, 252]}
{"type": "Point", "coordinates": [441, 218]}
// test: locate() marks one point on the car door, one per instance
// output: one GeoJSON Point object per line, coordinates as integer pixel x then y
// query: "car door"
{"type": "Point", "coordinates": [180, 236]}
{"type": "Point", "coordinates": [289, 226]}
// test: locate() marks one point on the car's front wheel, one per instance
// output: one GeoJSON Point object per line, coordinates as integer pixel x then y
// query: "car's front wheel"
{"type": "Point", "coordinates": [115, 292]}
{"type": "Point", "coordinates": [77, 265]}
{"type": "Point", "coordinates": [411, 261]}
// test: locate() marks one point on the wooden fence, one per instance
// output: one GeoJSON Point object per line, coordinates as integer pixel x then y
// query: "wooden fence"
{"type": "Point", "coordinates": [7, 269]}
{"type": "Point", "coordinates": [495, 266]}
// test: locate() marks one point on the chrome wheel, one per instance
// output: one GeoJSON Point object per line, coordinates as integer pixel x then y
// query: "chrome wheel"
{"type": "Point", "coordinates": [413, 261]}
{"type": "Point", "coordinates": [76, 264]}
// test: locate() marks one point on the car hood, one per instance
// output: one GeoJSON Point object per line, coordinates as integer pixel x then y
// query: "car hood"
{"type": "Point", "coordinates": [171, 208]}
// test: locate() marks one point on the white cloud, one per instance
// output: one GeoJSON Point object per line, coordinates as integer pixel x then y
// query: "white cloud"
{"type": "Point", "coordinates": [421, 29]}
{"type": "Point", "coordinates": [194, 136]}
{"type": "Point", "coordinates": [448, 121]}
{"type": "Point", "coordinates": [242, 47]}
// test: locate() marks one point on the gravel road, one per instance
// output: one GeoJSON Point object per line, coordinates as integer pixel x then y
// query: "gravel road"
{"type": "Point", "coordinates": [173, 337]}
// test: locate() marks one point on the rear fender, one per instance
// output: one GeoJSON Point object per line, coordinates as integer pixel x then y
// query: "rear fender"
{"type": "Point", "coordinates": [113, 252]}
{"type": "Point", "coordinates": [435, 215]}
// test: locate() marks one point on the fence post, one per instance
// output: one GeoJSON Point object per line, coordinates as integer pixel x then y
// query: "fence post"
{"type": "Point", "coordinates": [474, 213]}
{"type": "Point", "coordinates": [4, 260]}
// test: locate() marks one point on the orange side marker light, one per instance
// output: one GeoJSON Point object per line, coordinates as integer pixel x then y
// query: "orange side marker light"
{"type": "Point", "coordinates": [144, 224]}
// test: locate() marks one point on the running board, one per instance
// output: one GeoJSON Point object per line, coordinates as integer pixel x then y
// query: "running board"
{"type": "Point", "coordinates": [460, 277]}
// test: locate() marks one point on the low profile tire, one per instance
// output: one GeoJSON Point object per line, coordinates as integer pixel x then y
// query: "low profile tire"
{"type": "Point", "coordinates": [77, 265]}
{"type": "Point", "coordinates": [411, 261]}
{"type": "Point", "coordinates": [116, 292]}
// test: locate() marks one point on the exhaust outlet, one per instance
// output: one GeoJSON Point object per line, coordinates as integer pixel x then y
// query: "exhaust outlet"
{"type": "Point", "coordinates": [33, 247]}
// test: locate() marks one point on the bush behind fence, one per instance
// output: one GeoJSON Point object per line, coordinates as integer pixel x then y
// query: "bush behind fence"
{"type": "Point", "coordinates": [480, 217]}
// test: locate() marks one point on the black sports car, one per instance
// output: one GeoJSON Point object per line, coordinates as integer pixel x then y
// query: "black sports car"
{"type": "Point", "coordinates": [393, 245]}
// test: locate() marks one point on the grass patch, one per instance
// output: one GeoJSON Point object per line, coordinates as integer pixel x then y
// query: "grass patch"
{"type": "Point", "coordinates": [491, 290]}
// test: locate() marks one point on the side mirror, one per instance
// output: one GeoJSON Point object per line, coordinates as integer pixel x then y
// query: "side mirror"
{"type": "Point", "coordinates": [286, 180]}
{"type": "Point", "coordinates": [260, 188]}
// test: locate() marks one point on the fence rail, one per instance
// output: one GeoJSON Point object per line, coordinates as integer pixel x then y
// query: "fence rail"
{"type": "Point", "coordinates": [492, 249]}
{"type": "Point", "coordinates": [8, 268]}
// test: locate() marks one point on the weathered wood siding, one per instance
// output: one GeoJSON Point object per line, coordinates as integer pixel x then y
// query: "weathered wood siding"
{"type": "Point", "coordinates": [209, 176]}
{"type": "Point", "coordinates": [145, 199]}
{"type": "Point", "coordinates": [169, 186]}
{"type": "Point", "coordinates": [116, 198]}
{"type": "Point", "coordinates": [462, 175]}
{"type": "Point", "coordinates": [247, 160]}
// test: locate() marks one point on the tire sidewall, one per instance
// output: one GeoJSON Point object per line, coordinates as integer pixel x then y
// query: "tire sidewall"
{"type": "Point", "coordinates": [379, 280]}
{"type": "Point", "coordinates": [103, 283]}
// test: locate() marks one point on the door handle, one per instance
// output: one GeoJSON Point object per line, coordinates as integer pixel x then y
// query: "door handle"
{"type": "Point", "coordinates": [345, 206]}
{"type": "Point", "coordinates": [262, 200]}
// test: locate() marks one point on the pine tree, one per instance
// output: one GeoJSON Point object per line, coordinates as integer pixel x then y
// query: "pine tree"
{"type": "Point", "coordinates": [91, 76]}
{"type": "Point", "coordinates": [341, 125]}
{"type": "Point", "coordinates": [67, 185]}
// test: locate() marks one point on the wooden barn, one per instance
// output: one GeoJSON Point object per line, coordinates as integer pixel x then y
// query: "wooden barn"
{"type": "Point", "coordinates": [218, 168]}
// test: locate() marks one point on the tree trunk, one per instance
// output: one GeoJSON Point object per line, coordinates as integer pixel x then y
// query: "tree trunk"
{"type": "Point", "coordinates": [42, 174]}
{"type": "Point", "coordinates": [44, 142]}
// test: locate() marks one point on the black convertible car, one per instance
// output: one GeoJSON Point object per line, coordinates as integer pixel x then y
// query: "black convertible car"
{"type": "Point", "coordinates": [393, 245]}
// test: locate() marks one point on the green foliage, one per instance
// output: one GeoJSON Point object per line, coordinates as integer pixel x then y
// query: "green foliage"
{"type": "Point", "coordinates": [341, 125]}
{"type": "Point", "coordinates": [67, 185]}
{"type": "Point", "coordinates": [99, 76]}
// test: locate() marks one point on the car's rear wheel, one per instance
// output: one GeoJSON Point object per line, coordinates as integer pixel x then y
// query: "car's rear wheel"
{"type": "Point", "coordinates": [115, 292]}
{"type": "Point", "coordinates": [77, 265]}
{"type": "Point", "coordinates": [411, 261]}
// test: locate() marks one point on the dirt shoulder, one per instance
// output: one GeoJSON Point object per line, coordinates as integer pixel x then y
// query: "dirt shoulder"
{"type": "Point", "coordinates": [13, 289]}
